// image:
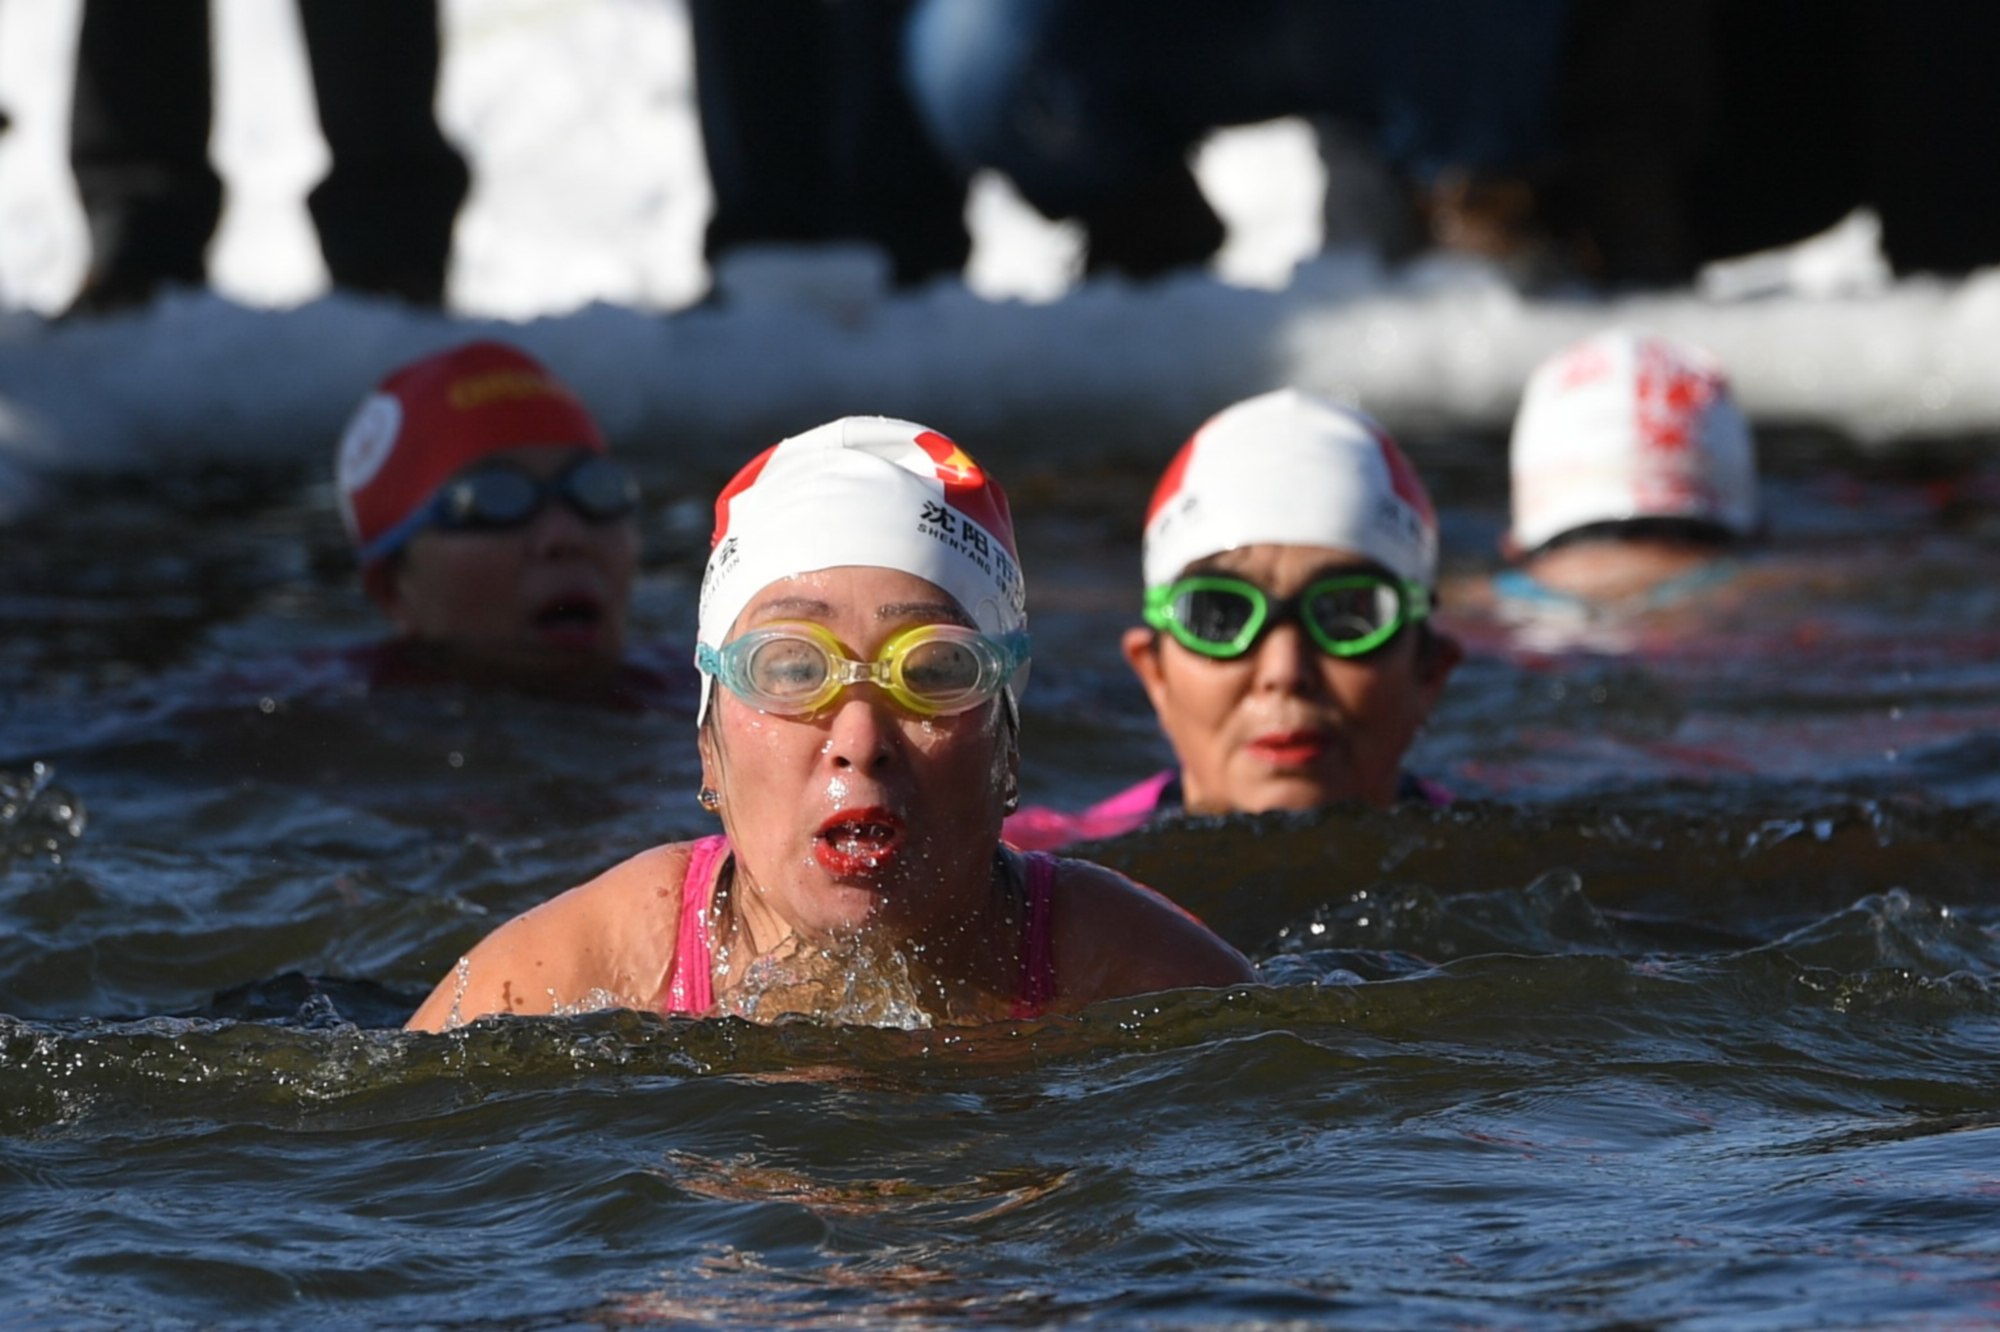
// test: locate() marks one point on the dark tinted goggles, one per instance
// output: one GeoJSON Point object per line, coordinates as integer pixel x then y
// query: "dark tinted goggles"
{"type": "Point", "coordinates": [502, 495]}
{"type": "Point", "coordinates": [1346, 615]}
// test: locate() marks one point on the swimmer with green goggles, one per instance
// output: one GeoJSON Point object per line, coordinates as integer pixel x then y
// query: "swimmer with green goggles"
{"type": "Point", "coordinates": [1346, 614]}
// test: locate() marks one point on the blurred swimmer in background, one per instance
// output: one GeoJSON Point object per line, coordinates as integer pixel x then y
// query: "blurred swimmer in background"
{"type": "Point", "coordinates": [1290, 562]}
{"type": "Point", "coordinates": [1633, 475]}
{"type": "Point", "coordinates": [862, 640]}
{"type": "Point", "coordinates": [492, 526]}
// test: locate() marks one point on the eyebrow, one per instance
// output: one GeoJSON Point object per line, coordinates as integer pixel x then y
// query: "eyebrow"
{"type": "Point", "coordinates": [947, 611]}
{"type": "Point", "coordinates": [1331, 569]}
{"type": "Point", "coordinates": [809, 607]}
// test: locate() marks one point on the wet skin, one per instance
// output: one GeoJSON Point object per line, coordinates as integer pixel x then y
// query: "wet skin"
{"type": "Point", "coordinates": [865, 812]}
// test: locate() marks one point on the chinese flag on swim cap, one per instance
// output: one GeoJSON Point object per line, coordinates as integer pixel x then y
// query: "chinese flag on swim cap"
{"type": "Point", "coordinates": [434, 416]}
{"type": "Point", "coordinates": [867, 491]}
{"type": "Point", "coordinates": [872, 491]}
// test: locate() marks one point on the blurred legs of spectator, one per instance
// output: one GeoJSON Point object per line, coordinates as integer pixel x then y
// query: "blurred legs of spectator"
{"type": "Point", "coordinates": [1826, 105]}
{"type": "Point", "coordinates": [139, 147]}
{"type": "Point", "coordinates": [810, 135]}
{"type": "Point", "coordinates": [1635, 112]}
{"type": "Point", "coordinates": [140, 124]}
{"type": "Point", "coordinates": [386, 210]}
{"type": "Point", "coordinates": [1091, 107]}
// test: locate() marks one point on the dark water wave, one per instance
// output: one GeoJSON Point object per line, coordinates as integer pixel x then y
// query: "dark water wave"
{"type": "Point", "coordinates": [1684, 1016]}
{"type": "Point", "coordinates": [1571, 1139]}
{"type": "Point", "coordinates": [1884, 967]}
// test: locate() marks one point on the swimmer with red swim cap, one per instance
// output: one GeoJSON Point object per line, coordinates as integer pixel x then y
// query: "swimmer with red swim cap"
{"type": "Point", "coordinates": [492, 526]}
{"type": "Point", "coordinates": [862, 638]}
{"type": "Point", "coordinates": [1290, 564]}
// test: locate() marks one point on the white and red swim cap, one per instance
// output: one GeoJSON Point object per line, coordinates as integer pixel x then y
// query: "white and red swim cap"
{"type": "Point", "coordinates": [1625, 425]}
{"type": "Point", "coordinates": [1287, 468]}
{"type": "Point", "coordinates": [864, 490]}
{"type": "Point", "coordinates": [432, 417]}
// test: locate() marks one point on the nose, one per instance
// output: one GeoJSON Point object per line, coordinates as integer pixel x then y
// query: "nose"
{"type": "Point", "coordinates": [862, 734]}
{"type": "Point", "coordinates": [558, 530]}
{"type": "Point", "coordinates": [1283, 661]}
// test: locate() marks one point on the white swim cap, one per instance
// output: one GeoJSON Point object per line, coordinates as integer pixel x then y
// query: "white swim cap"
{"type": "Point", "coordinates": [1286, 468]}
{"type": "Point", "coordinates": [1625, 425]}
{"type": "Point", "coordinates": [864, 490]}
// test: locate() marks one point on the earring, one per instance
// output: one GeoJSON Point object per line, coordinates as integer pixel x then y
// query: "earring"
{"type": "Point", "coordinates": [709, 799]}
{"type": "Point", "coordinates": [1010, 798]}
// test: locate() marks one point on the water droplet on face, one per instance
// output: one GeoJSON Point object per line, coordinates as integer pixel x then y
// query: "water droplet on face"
{"type": "Point", "coordinates": [455, 759]}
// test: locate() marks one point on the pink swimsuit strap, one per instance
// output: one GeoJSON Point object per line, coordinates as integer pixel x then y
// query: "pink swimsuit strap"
{"type": "Point", "coordinates": [691, 980]}
{"type": "Point", "coordinates": [1037, 985]}
{"type": "Point", "coordinates": [690, 987]}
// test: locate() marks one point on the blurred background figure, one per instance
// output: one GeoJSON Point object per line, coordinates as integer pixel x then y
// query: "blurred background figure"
{"type": "Point", "coordinates": [492, 526]}
{"type": "Point", "coordinates": [811, 137]}
{"type": "Point", "coordinates": [1624, 143]}
{"type": "Point", "coordinates": [1694, 130]}
{"type": "Point", "coordinates": [1633, 472]}
{"type": "Point", "coordinates": [140, 124]}
{"type": "Point", "coordinates": [1091, 107]}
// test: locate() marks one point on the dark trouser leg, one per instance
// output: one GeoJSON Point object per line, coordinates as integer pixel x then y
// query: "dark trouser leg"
{"type": "Point", "coordinates": [1636, 111]}
{"type": "Point", "coordinates": [895, 187]}
{"type": "Point", "coordinates": [139, 126]}
{"type": "Point", "coordinates": [1783, 162]}
{"type": "Point", "coordinates": [1924, 68]}
{"type": "Point", "coordinates": [385, 211]}
{"type": "Point", "coordinates": [761, 71]}
{"type": "Point", "coordinates": [810, 134]}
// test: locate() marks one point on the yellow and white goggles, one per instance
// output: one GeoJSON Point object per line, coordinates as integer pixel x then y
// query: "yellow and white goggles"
{"type": "Point", "coordinates": [796, 668]}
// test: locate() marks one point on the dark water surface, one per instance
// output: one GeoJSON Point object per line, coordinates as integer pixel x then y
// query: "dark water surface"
{"type": "Point", "coordinates": [1684, 1016]}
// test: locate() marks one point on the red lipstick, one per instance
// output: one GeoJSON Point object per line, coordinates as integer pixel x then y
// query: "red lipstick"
{"type": "Point", "coordinates": [858, 843]}
{"type": "Point", "coordinates": [1290, 749]}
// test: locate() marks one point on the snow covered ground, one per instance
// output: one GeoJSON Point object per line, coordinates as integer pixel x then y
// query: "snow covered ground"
{"type": "Point", "coordinates": [582, 242]}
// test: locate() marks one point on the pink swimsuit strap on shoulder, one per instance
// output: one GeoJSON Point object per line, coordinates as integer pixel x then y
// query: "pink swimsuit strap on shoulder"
{"type": "Point", "coordinates": [690, 988]}
{"type": "Point", "coordinates": [1037, 985]}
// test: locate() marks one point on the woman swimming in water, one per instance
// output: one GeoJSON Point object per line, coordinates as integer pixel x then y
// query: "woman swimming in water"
{"type": "Point", "coordinates": [862, 640]}
{"type": "Point", "coordinates": [493, 528]}
{"type": "Point", "coordinates": [1634, 475]}
{"type": "Point", "coordinates": [1290, 562]}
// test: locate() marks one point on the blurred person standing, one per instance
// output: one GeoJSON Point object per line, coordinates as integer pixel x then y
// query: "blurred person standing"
{"type": "Point", "coordinates": [140, 120]}
{"type": "Point", "coordinates": [1092, 107]}
{"type": "Point", "coordinates": [811, 137]}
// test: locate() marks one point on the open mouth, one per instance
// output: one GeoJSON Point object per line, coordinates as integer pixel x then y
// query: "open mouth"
{"type": "Point", "coordinates": [571, 619]}
{"type": "Point", "coordinates": [858, 842]}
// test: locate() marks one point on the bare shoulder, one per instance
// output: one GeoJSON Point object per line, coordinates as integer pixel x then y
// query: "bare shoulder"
{"type": "Point", "coordinates": [603, 944]}
{"type": "Point", "coordinates": [1116, 937]}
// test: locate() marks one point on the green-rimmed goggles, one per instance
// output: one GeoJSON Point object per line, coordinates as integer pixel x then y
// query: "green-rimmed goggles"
{"type": "Point", "coordinates": [1346, 615]}
{"type": "Point", "coordinates": [796, 668]}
